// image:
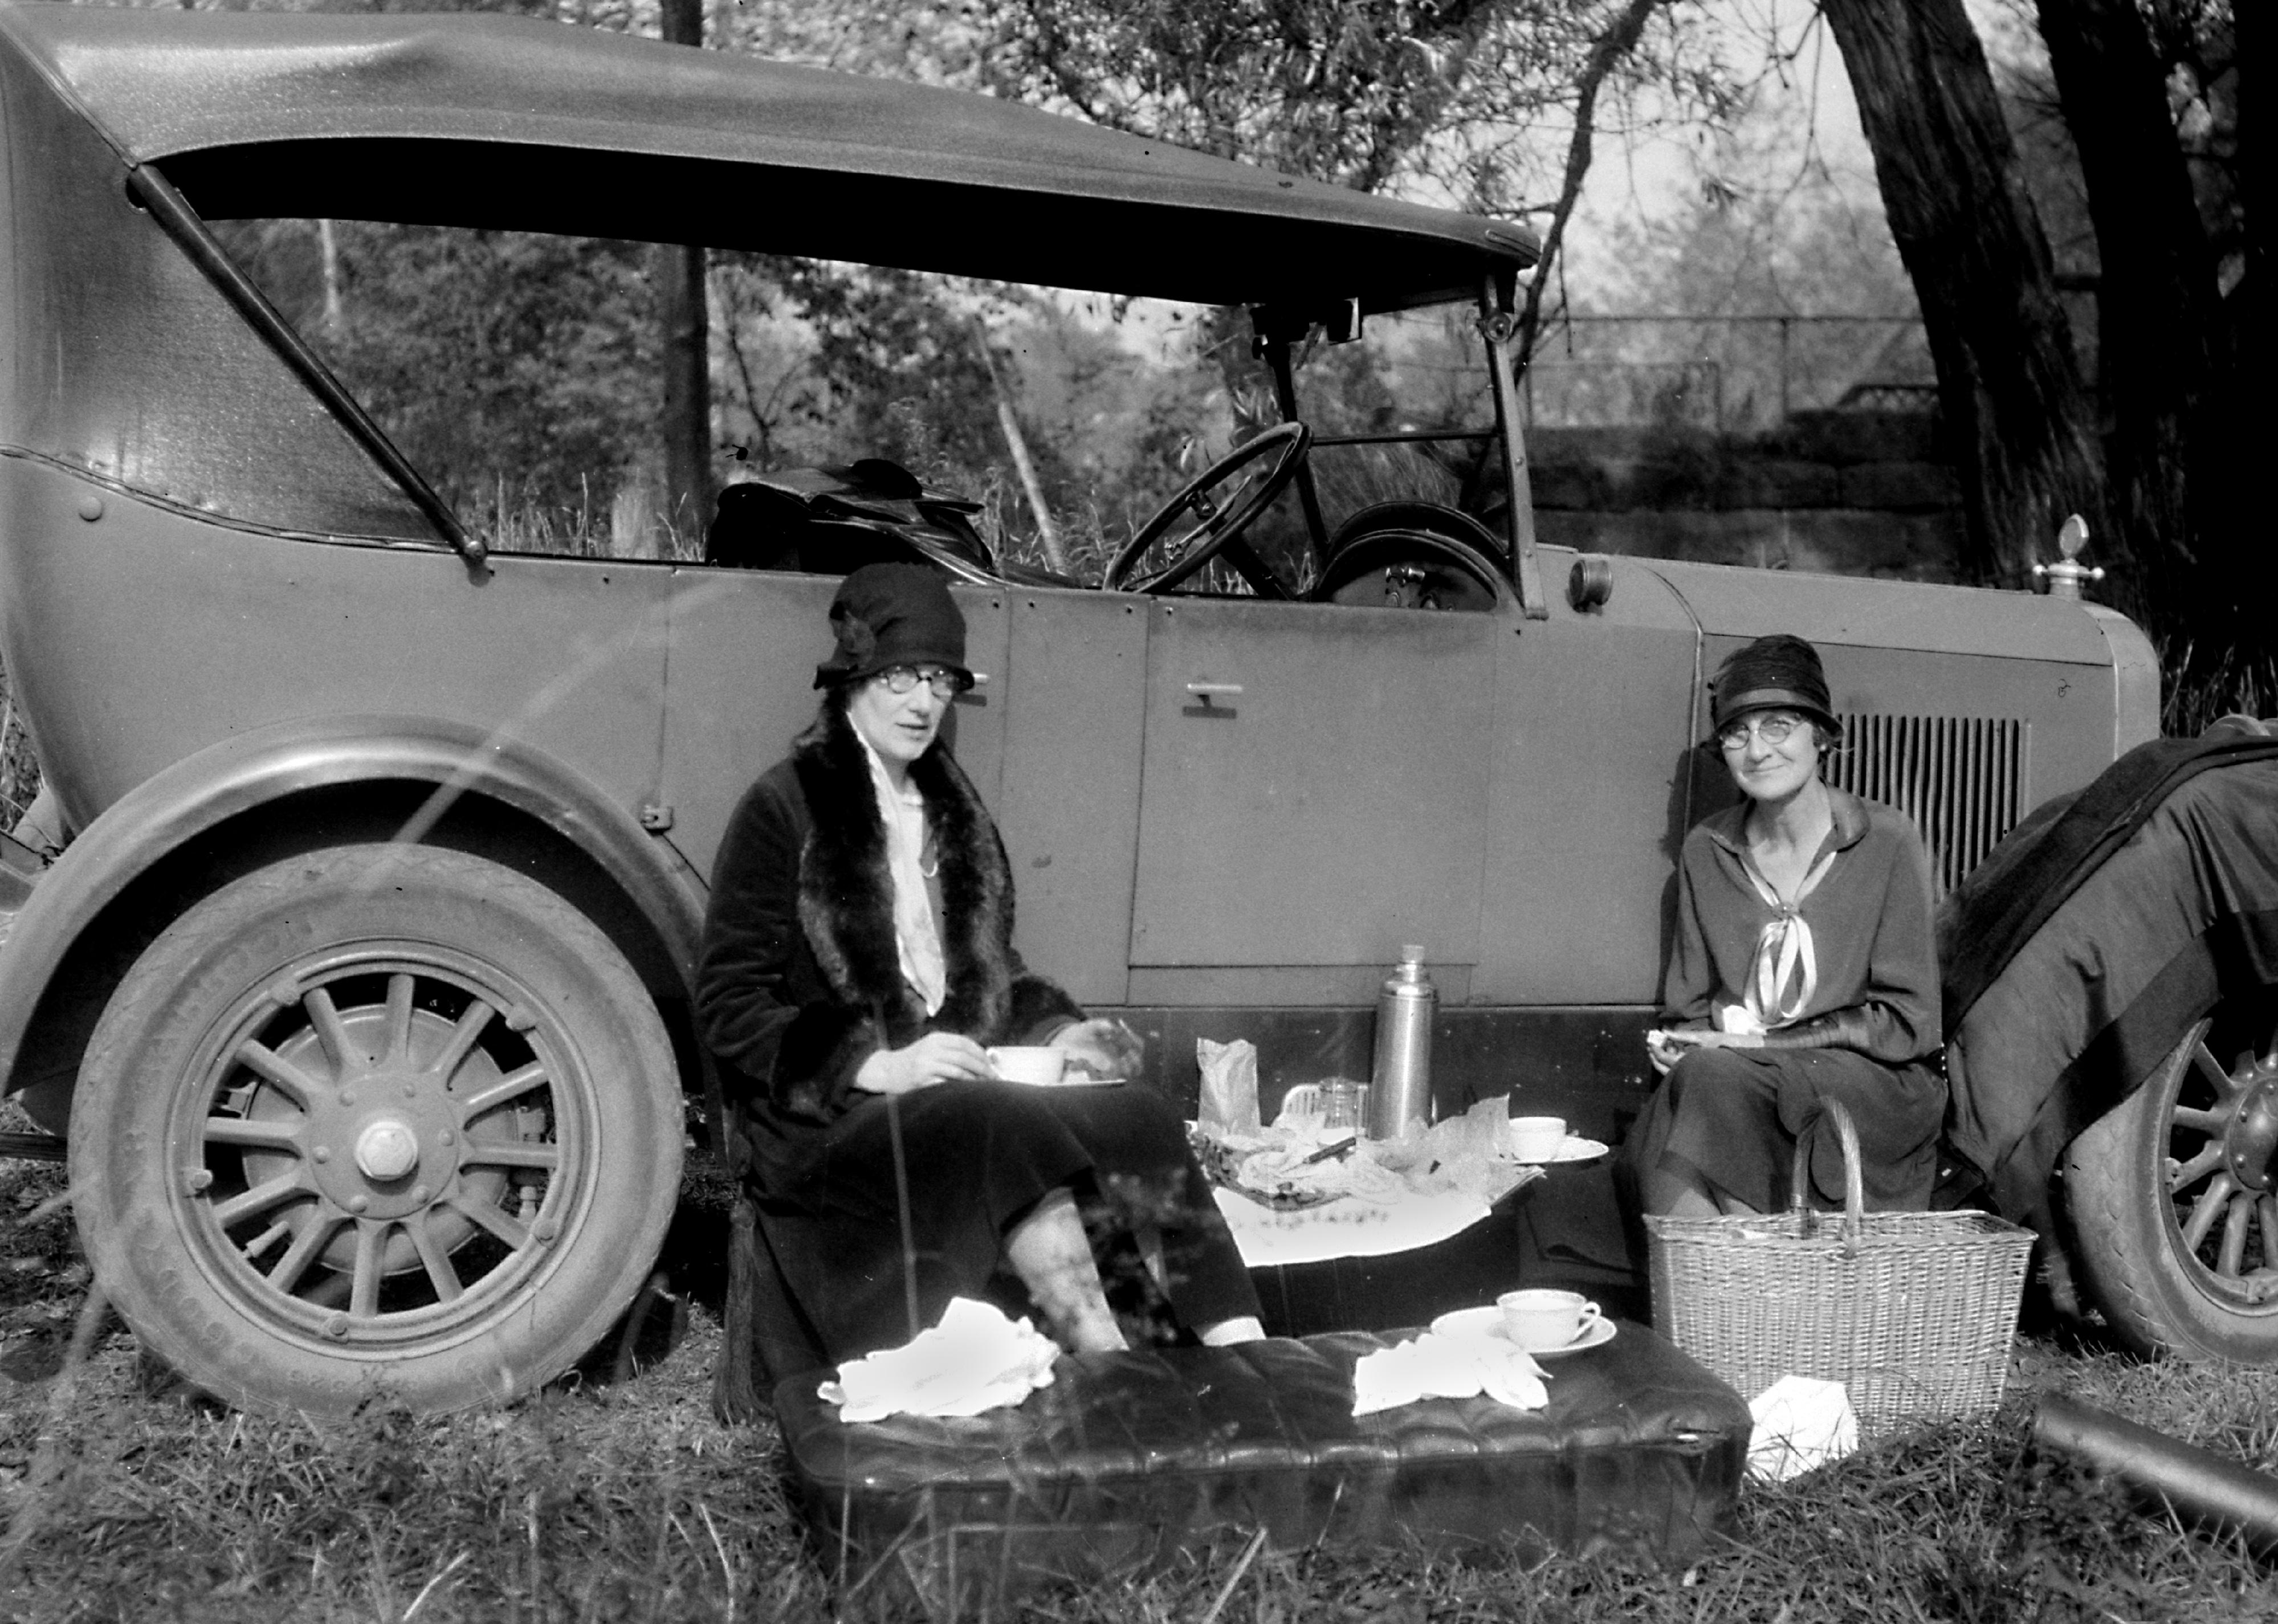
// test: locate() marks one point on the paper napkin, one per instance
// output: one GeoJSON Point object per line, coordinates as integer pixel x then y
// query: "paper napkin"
{"type": "Point", "coordinates": [1433, 1366]}
{"type": "Point", "coordinates": [975, 1360]}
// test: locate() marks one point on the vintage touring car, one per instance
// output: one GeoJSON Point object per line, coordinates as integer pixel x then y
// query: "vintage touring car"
{"type": "Point", "coordinates": [360, 982]}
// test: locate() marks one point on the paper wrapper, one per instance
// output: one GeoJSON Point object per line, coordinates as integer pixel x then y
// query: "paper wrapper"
{"type": "Point", "coordinates": [1230, 1096]}
{"type": "Point", "coordinates": [1468, 1152]}
{"type": "Point", "coordinates": [1735, 1020]}
{"type": "Point", "coordinates": [1464, 1155]}
{"type": "Point", "coordinates": [1801, 1422]}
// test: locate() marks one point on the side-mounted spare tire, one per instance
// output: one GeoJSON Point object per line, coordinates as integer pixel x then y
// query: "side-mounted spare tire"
{"type": "Point", "coordinates": [382, 1121]}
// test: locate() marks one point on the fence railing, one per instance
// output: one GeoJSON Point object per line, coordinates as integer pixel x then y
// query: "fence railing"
{"type": "Point", "coordinates": [1734, 374]}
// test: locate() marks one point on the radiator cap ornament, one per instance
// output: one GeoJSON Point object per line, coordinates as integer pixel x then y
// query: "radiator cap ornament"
{"type": "Point", "coordinates": [2066, 575]}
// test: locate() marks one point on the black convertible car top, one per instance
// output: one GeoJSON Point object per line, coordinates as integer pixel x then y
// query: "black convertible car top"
{"type": "Point", "coordinates": [467, 119]}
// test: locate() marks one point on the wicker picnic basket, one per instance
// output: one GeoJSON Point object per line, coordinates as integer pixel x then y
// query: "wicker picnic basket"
{"type": "Point", "coordinates": [1912, 1311]}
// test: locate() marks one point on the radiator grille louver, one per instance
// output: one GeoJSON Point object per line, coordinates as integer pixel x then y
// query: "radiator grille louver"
{"type": "Point", "coordinates": [1960, 779]}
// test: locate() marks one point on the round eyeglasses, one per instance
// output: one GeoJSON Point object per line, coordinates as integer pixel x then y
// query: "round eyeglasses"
{"type": "Point", "coordinates": [945, 682]}
{"type": "Point", "coordinates": [1772, 727]}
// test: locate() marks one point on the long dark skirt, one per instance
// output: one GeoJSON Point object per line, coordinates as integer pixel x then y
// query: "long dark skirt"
{"type": "Point", "coordinates": [977, 1158]}
{"type": "Point", "coordinates": [1732, 1117]}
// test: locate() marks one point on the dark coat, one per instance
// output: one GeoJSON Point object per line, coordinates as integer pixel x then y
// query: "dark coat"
{"type": "Point", "coordinates": [800, 967]}
{"type": "Point", "coordinates": [1871, 917]}
{"type": "Point", "coordinates": [800, 980]}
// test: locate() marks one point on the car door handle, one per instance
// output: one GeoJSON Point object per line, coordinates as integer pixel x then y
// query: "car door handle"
{"type": "Point", "coordinates": [1206, 697]}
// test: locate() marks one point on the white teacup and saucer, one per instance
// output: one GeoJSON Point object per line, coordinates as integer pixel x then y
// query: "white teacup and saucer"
{"type": "Point", "coordinates": [1539, 1321]}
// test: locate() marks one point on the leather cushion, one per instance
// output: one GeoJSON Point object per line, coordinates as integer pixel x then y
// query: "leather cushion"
{"type": "Point", "coordinates": [1128, 1458]}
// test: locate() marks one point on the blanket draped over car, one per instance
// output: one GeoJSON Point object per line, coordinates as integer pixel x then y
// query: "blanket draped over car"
{"type": "Point", "coordinates": [2078, 954]}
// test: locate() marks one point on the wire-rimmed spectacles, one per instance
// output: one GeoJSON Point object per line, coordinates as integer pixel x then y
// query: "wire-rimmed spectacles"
{"type": "Point", "coordinates": [945, 682]}
{"type": "Point", "coordinates": [1772, 727]}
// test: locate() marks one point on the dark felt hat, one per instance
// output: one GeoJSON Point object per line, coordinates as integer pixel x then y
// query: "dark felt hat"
{"type": "Point", "coordinates": [1778, 673]}
{"type": "Point", "coordinates": [892, 615]}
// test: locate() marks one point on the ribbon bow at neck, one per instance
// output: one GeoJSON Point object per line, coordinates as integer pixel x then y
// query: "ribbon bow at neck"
{"type": "Point", "coordinates": [1785, 970]}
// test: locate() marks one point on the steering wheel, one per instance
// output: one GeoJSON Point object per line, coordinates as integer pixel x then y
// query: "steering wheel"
{"type": "Point", "coordinates": [1219, 523]}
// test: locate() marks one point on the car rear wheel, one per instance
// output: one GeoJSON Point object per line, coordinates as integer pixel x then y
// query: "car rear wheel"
{"type": "Point", "coordinates": [380, 1122]}
{"type": "Point", "coordinates": [2173, 1196]}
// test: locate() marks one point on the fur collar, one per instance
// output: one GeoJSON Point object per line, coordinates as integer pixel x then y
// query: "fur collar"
{"type": "Point", "coordinates": [846, 892]}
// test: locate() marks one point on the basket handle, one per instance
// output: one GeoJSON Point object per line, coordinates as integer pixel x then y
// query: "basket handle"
{"type": "Point", "coordinates": [1855, 1192]}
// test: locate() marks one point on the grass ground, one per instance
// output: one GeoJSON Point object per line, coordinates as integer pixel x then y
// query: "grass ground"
{"type": "Point", "coordinates": [124, 1498]}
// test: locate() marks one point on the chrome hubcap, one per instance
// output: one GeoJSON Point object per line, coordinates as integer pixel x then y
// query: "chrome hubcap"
{"type": "Point", "coordinates": [386, 1149]}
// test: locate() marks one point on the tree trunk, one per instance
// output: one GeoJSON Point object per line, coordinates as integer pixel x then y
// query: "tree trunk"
{"type": "Point", "coordinates": [1009, 421]}
{"type": "Point", "coordinates": [687, 426]}
{"type": "Point", "coordinates": [2256, 354]}
{"type": "Point", "coordinates": [2017, 415]}
{"type": "Point", "coordinates": [2175, 444]}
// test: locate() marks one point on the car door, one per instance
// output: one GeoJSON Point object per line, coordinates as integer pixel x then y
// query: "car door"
{"type": "Point", "coordinates": [1313, 795]}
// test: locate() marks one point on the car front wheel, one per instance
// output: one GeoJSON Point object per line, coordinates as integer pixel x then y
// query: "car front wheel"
{"type": "Point", "coordinates": [2173, 1196]}
{"type": "Point", "coordinates": [382, 1122]}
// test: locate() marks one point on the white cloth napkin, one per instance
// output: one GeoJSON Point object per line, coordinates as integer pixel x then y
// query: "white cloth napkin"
{"type": "Point", "coordinates": [1801, 1422]}
{"type": "Point", "coordinates": [975, 1360]}
{"type": "Point", "coordinates": [1436, 1366]}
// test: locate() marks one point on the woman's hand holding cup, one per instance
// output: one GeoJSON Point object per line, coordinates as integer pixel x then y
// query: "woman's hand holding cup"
{"type": "Point", "coordinates": [1101, 1048]}
{"type": "Point", "coordinates": [937, 1057]}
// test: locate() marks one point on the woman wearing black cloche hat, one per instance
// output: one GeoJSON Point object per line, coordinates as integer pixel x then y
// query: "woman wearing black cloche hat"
{"type": "Point", "coordinates": [858, 965]}
{"type": "Point", "coordinates": [1803, 971]}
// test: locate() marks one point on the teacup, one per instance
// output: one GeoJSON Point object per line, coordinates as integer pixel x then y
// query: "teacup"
{"type": "Point", "coordinates": [1544, 1317]}
{"type": "Point", "coordinates": [1030, 1064]}
{"type": "Point", "coordinates": [1535, 1138]}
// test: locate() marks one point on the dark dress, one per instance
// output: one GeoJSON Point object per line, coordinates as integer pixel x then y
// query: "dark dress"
{"type": "Point", "coordinates": [1862, 1027]}
{"type": "Point", "coordinates": [800, 981]}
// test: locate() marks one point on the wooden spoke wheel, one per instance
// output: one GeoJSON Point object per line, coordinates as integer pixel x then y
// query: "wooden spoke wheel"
{"type": "Point", "coordinates": [2173, 1195]}
{"type": "Point", "coordinates": [380, 1120]}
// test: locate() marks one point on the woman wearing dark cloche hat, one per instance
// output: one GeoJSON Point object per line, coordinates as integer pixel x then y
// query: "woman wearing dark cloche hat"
{"type": "Point", "coordinates": [858, 963]}
{"type": "Point", "coordinates": [1802, 971]}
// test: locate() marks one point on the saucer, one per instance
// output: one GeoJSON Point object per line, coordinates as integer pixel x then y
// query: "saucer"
{"type": "Point", "coordinates": [1573, 1147]}
{"type": "Point", "coordinates": [1488, 1322]}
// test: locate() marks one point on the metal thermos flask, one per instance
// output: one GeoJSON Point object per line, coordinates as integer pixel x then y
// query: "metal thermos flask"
{"type": "Point", "coordinates": [1400, 1090]}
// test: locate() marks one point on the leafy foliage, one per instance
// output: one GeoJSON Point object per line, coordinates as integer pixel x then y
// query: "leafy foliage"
{"type": "Point", "coordinates": [517, 371]}
{"type": "Point", "coordinates": [1738, 307]}
{"type": "Point", "coordinates": [1445, 99]}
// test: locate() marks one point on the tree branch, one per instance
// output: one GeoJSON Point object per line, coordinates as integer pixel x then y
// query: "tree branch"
{"type": "Point", "coordinates": [1606, 55]}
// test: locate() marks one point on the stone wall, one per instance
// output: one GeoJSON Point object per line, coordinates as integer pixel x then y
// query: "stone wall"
{"type": "Point", "coordinates": [1852, 492]}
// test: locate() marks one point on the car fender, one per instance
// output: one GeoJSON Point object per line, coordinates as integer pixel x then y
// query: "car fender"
{"type": "Point", "coordinates": [201, 791]}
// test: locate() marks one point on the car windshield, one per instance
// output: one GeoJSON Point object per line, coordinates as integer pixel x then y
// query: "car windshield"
{"type": "Point", "coordinates": [521, 373]}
